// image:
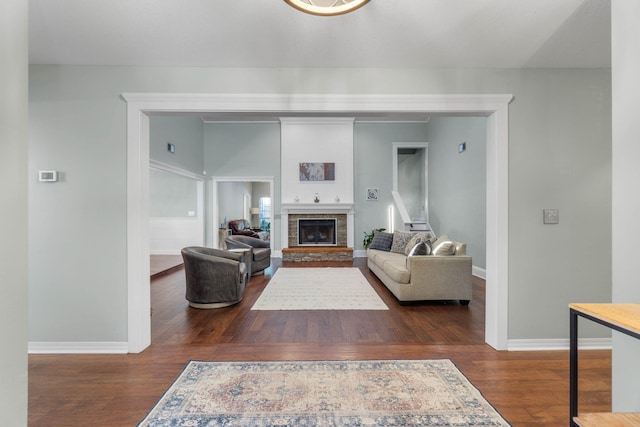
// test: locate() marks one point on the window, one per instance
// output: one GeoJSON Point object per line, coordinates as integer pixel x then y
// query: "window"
{"type": "Point", "coordinates": [265, 213]}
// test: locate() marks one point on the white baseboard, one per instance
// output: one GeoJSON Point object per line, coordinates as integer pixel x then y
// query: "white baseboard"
{"type": "Point", "coordinates": [170, 252]}
{"type": "Point", "coordinates": [78, 348]}
{"type": "Point", "coordinates": [479, 272]}
{"type": "Point", "coordinates": [558, 344]}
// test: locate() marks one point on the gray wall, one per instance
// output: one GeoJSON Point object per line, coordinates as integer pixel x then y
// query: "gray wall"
{"type": "Point", "coordinates": [372, 145]}
{"type": "Point", "coordinates": [411, 182]}
{"type": "Point", "coordinates": [457, 182]}
{"type": "Point", "coordinates": [171, 195]}
{"type": "Point", "coordinates": [626, 201]}
{"type": "Point", "coordinates": [244, 150]}
{"type": "Point", "coordinates": [260, 189]}
{"type": "Point", "coordinates": [558, 160]}
{"type": "Point", "coordinates": [231, 200]}
{"type": "Point", "coordinates": [559, 157]}
{"type": "Point", "coordinates": [13, 213]}
{"type": "Point", "coordinates": [185, 133]}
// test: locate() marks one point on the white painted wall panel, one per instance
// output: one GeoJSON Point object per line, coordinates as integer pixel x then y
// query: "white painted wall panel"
{"type": "Point", "coordinates": [626, 198]}
{"type": "Point", "coordinates": [13, 212]}
{"type": "Point", "coordinates": [310, 141]}
{"type": "Point", "coordinates": [170, 235]}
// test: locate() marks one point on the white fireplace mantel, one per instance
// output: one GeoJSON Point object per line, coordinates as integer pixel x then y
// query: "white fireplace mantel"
{"type": "Point", "coordinates": [309, 208]}
{"type": "Point", "coordinates": [339, 207]}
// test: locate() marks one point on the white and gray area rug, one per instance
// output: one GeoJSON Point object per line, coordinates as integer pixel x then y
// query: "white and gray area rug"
{"type": "Point", "coordinates": [319, 289]}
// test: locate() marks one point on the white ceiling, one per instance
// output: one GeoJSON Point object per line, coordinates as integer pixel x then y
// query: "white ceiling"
{"type": "Point", "coordinates": [269, 33]}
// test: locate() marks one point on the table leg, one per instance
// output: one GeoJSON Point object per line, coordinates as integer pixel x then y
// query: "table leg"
{"type": "Point", "coordinates": [573, 366]}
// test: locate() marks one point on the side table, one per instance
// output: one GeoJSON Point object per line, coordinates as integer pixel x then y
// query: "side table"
{"type": "Point", "coordinates": [624, 318]}
{"type": "Point", "coordinates": [222, 233]}
{"type": "Point", "coordinates": [246, 258]}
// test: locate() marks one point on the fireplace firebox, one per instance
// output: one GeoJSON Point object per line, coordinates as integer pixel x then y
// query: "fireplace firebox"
{"type": "Point", "coordinates": [317, 232]}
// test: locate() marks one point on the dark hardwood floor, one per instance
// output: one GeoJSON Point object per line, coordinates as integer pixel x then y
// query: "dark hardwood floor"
{"type": "Point", "coordinates": [528, 388]}
{"type": "Point", "coordinates": [162, 264]}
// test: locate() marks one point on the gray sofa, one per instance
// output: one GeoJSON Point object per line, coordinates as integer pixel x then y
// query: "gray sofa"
{"type": "Point", "coordinates": [214, 278]}
{"type": "Point", "coordinates": [424, 277]}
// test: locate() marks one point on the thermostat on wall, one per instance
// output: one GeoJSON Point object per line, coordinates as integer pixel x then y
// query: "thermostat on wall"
{"type": "Point", "coordinates": [48, 176]}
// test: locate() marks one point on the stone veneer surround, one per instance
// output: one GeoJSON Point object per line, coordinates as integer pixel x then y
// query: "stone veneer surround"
{"type": "Point", "coordinates": [316, 210]}
{"type": "Point", "coordinates": [341, 225]}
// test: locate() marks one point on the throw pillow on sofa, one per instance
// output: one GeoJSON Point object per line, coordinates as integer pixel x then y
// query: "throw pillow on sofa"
{"type": "Point", "coordinates": [381, 241]}
{"type": "Point", "coordinates": [421, 248]}
{"type": "Point", "coordinates": [417, 238]}
{"type": "Point", "coordinates": [400, 241]}
{"type": "Point", "coordinates": [444, 248]}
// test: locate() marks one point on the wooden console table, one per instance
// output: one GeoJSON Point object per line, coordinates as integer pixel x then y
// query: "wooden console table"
{"type": "Point", "coordinates": [624, 318]}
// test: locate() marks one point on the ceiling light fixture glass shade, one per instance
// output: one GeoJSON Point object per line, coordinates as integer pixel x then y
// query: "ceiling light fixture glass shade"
{"type": "Point", "coordinates": [327, 7]}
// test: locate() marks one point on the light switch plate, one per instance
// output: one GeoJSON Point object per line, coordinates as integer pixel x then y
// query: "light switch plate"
{"type": "Point", "coordinates": [48, 176]}
{"type": "Point", "coordinates": [551, 216]}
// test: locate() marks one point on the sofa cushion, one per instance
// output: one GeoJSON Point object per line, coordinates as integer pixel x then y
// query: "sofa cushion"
{"type": "Point", "coordinates": [381, 241]}
{"type": "Point", "coordinates": [397, 270]}
{"type": "Point", "coordinates": [417, 238]}
{"type": "Point", "coordinates": [261, 253]}
{"type": "Point", "coordinates": [400, 241]}
{"type": "Point", "coordinates": [380, 257]}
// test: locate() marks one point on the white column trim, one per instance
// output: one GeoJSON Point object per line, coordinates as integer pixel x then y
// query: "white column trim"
{"type": "Point", "coordinates": [493, 106]}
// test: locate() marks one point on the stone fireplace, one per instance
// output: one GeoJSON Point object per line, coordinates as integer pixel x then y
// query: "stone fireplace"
{"type": "Point", "coordinates": [316, 244]}
{"type": "Point", "coordinates": [317, 223]}
{"type": "Point", "coordinates": [317, 232]}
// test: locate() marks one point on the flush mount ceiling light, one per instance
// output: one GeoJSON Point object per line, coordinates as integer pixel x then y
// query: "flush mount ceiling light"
{"type": "Point", "coordinates": [327, 7]}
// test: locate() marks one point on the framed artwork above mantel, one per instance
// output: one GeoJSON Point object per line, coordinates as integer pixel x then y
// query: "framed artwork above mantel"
{"type": "Point", "coordinates": [317, 172]}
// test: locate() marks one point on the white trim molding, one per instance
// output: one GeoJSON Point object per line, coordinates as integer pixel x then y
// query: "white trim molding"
{"type": "Point", "coordinates": [78, 348]}
{"type": "Point", "coordinates": [175, 170]}
{"type": "Point", "coordinates": [140, 105]}
{"type": "Point", "coordinates": [479, 272]}
{"type": "Point", "coordinates": [559, 344]}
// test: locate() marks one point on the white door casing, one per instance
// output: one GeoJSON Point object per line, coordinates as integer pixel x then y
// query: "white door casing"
{"type": "Point", "coordinates": [139, 105]}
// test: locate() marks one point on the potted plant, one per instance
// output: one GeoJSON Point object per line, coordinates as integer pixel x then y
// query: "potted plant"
{"type": "Point", "coordinates": [368, 237]}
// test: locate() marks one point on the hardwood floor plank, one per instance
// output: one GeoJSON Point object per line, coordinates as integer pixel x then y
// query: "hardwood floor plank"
{"type": "Point", "coordinates": [159, 264]}
{"type": "Point", "coordinates": [528, 388]}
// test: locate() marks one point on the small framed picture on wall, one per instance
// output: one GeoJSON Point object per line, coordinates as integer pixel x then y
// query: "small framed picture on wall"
{"type": "Point", "coordinates": [372, 194]}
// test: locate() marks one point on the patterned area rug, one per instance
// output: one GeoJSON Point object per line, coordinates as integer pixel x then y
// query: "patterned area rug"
{"type": "Point", "coordinates": [353, 393]}
{"type": "Point", "coordinates": [319, 289]}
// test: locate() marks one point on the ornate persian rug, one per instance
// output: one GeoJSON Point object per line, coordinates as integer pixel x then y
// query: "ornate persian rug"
{"type": "Point", "coordinates": [351, 393]}
{"type": "Point", "coordinates": [319, 289]}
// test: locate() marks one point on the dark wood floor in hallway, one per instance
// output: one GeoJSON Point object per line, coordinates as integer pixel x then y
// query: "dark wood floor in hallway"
{"type": "Point", "coordinates": [528, 388]}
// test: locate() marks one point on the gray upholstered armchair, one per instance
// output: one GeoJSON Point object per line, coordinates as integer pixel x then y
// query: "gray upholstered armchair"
{"type": "Point", "coordinates": [260, 251]}
{"type": "Point", "coordinates": [215, 278]}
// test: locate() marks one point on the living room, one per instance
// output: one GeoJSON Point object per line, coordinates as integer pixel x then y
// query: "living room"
{"type": "Point", "coordinates": [456, 180]}
{"type": "Point", "coordinates": [559, 156]}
